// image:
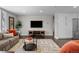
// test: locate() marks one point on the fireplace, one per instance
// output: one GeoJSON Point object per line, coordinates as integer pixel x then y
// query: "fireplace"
{"type": "Point", "coordinates": [37, 34]}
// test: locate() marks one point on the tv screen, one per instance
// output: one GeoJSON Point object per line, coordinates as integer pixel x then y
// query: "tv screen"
{"type": "Point", "coordinates": [36, 24]}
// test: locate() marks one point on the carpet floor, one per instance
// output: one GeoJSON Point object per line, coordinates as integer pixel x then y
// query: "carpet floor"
{"type": "Point", "coordinates": [43, 46]}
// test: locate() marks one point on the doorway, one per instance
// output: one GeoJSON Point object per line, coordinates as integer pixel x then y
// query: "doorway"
{"type": "Point", "coordinates": [75, 22]}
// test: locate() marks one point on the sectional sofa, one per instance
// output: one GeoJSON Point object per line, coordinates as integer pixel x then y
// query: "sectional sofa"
{"type": "Point", "coordinates": [7, 42]}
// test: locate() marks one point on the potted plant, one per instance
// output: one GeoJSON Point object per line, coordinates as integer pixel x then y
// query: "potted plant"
{"type": "Point", "coordinates": [18, 25]}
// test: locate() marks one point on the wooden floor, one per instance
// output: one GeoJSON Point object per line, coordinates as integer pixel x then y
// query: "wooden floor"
{"type": "Point", "coordinates": [61, 42]}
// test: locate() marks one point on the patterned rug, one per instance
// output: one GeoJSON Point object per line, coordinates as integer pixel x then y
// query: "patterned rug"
{"type": "Point", "coordinates": [43, 46]}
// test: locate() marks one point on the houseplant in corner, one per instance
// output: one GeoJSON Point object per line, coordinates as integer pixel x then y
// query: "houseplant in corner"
{"type": "Point", "coordinates": [18, 26]}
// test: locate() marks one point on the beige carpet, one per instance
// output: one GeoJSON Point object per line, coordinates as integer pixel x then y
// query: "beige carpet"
{"type": "Point", "coordinates": [43, 46]}
{"type": "Point", "coordinates": [47, 46]}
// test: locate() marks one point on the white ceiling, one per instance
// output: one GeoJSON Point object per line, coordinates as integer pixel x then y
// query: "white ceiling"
{"type": "Point", "coordinates": [35, 10]}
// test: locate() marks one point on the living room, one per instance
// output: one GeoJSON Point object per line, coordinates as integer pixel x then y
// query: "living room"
{"type": "Point", "coordinates": [50, 26]}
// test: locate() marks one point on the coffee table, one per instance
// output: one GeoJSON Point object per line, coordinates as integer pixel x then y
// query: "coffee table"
{"type": "Point", "coordinates": [30, 46]}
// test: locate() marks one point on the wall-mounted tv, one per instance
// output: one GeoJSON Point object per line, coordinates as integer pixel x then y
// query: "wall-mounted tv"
{"type": "Point", "coordinates": [36, 24]}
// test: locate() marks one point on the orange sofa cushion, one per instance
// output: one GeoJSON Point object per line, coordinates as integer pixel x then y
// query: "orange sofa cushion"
{"type": "Point", "coordinates": [12, 31]}
{"type": "Point", "coordinates": [70, 47]}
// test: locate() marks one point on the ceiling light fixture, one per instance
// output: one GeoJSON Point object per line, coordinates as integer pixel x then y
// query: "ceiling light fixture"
{"type": "Point", "coordinates": [41, 11]}
{"type": "Point", "coordinates": [74, 6]}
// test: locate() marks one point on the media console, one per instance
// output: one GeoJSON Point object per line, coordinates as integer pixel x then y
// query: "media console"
{"type": "Point", "coordinates": [37, 34]}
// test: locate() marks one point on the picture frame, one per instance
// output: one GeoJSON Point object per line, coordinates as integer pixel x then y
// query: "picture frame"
{"type": "Point", "coordinates": [11, 22]}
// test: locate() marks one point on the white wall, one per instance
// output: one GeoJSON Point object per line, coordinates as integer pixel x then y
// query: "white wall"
{"type": "Point", "coordinates": [0, 21]}
{"type": "Point", "coordinates": [63, 25]}
{"type": "Point", "coordinates": [47, 24]}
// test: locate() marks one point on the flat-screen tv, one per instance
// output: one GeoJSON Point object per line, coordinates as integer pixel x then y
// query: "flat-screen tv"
{"type": "Point", "coordinates": [36, 24]}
